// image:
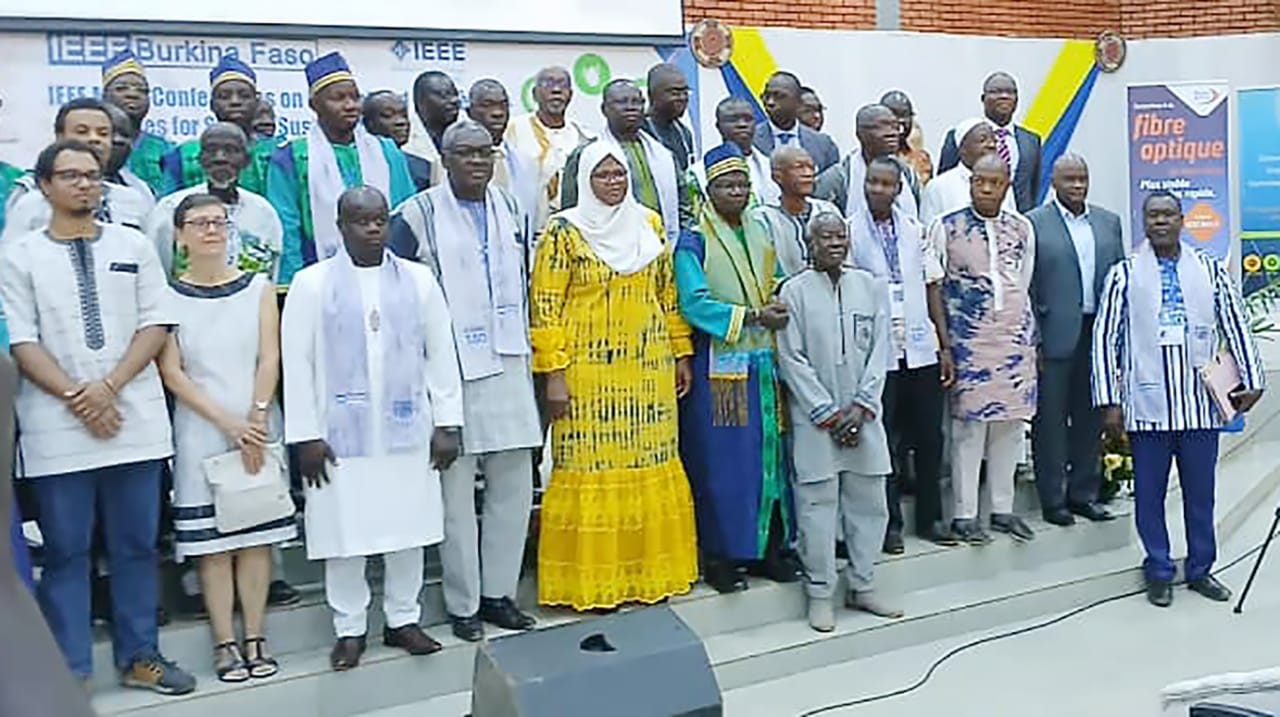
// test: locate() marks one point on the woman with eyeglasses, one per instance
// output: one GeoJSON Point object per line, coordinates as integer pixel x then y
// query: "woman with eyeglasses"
{"type": "Point", "coordinates": [222, 364]}
{"type": "Point", "coordinates": [617, 518]}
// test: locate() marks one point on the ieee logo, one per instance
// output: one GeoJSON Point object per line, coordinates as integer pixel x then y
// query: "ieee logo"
{"type": "Point", "coordinates": [400, 49]}
{"type": "Point", "coordinates": [429, 51]}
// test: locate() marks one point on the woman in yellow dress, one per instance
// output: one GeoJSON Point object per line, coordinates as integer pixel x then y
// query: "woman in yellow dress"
{"type": "Point", "coordinates": [617, 520]}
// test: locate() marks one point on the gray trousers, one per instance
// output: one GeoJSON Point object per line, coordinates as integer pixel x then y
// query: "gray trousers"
{"type": "Point", "coordinates": [484, 563]}
{"type": "Point", "coordinates": [855, 505]}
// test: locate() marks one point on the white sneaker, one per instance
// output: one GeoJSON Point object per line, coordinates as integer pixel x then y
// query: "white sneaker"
{"type": "Point", "coordinates": [822, 615]}
{"type": "Point", "coordinates": [870, 602]}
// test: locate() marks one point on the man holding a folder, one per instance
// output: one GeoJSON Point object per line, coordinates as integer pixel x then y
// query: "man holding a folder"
{"type": "Point", "coordinates": [1173, 361]}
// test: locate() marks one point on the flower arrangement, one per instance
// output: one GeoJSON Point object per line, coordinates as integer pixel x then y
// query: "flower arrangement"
{"type": "Point", "coordinates": [1117, 467]}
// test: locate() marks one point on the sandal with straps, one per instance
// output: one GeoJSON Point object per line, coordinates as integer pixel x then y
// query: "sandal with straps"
{"type": "Point", "coordinates": [229, 664]}
{"type": "Point", "coordinates": [260, 666]}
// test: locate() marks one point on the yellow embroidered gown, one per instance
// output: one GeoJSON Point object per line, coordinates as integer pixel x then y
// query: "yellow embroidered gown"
{"type": "Point", "coordinates": [617, 518]}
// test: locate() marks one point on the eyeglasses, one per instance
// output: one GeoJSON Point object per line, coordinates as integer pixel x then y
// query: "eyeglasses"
{"type": "Point", "coordinates": [72, 176]}
{"type": "Point", "coordinates": [204, 224]}
{"type": "Point", "coordinates": [556, 84]}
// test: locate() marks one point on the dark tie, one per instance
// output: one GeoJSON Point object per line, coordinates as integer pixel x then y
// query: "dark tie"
{"type": "Point", "coordinates": [785, 138]}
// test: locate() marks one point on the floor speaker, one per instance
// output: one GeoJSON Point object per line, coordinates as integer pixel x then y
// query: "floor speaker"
{"type": "Point", "coordinates": [642, 663]}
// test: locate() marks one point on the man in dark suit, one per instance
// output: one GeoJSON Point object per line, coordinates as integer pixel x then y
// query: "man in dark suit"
{"type": "Point", "coordinates": [781, 100]}
{"type": "Point", "coordinates": [1076, 245]}
{"type": "Point", "coordinates": [1019, 147]}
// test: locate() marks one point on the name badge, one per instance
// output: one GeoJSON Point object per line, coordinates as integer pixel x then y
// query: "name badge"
{"type": "Point", "coordinates": [897, 301]}
{"type": "Point", "coordinates": [918, 336]}
{"type": "Point", "coordinates": [475, 336]}
{"type": "Point", "coordinates": [1173, 335]}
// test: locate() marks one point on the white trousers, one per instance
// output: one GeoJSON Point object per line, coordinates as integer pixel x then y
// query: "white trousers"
{"type": "Point", "coordinates": [485, 563]}
{"type": "Point", "coordinates": [851, 505]}
{"type": "Point", "coordinates": [347, 591]}
{"type": "Point", "coordinates": [1000, 443]}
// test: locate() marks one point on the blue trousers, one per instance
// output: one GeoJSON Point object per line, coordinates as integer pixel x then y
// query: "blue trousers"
{"type": "Point", "coordinates": [1197, 456]}
{"type": "Point", "coordinates": [127, 500]}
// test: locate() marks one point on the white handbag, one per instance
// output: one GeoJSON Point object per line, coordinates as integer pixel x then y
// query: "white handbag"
{"type": "Point", "coordinates": [243, 500]}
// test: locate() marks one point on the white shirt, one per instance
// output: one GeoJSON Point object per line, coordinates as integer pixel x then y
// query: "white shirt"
{"type": "Point", "coordinates": [950, 191]}
{"type": "Point", "coordinates": [793, 135]}
{"type": "Point", "coordinates": [121, 205]}
{"type": "Point", "coordinates": [253, 231]}
{"type": "Point", "coordinates": [1082, 239]}
{"type": "Point", "coordinates": [546, 149]}
{"type": "Point", "coordinates": [83, 301]}
{"type": "Point", "coordinates": [1011, 143]}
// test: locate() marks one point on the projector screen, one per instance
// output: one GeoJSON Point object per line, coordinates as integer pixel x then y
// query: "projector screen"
{"type": "Point", "coordinates": [575, 17]}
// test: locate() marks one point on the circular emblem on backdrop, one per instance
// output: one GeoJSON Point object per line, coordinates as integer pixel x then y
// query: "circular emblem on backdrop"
{"type": "Point", "coordinates": [711, 43]}
{"type": "Point", "coordinates": [1271, 262]}
{"type": "Point", "coordinates": [1109, 51]}
{"type": "Point", "coordinates": [1252, 263]}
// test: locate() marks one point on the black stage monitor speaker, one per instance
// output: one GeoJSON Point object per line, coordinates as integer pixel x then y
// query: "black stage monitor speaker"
{"type": "Point", "coordinates": [643, 663]}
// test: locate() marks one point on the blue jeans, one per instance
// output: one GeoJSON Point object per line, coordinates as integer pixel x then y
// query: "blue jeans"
{"type": "Point", "coordinates": [127, 500]}
{"type": "Point", "coordinates": [1197, 454]}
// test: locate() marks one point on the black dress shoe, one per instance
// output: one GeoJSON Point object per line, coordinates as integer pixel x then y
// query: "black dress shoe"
{"type": "Point", "coordinates": [1160, 593]}
{"type": "Point", "coordinates": [1209, 587]}
{"type": "Point", "coordinates": [470, 629]}
{"type": "Point", "coordinates": [411, 639]}
{"type": "Point", "coordinates": [504, 613]}
{"type": "Point", "coordinates": [1013, 525]}
{"type": "Point", "coordinates": [893, 544]}
{"type": "Point", "coordinates": [782, 567]}
{"type": "Point", "coordinates": [281, 593]}
{"type": "Point", "coordinates": [940, 534]}
{"type": "Point", "coordinates": [1060, 517]}
{"type": "Point", "coordinates": [1091, 511]}
{"type": "Point", "coordinates": [724, 577]}
{"type": "Point", "coordinates": [346, 653]}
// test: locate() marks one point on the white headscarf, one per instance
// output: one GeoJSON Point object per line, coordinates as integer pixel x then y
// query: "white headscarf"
{"type": "Point", "coordinates": [622, 235]}
{"type": "Point", "coordinates": [966, 126]}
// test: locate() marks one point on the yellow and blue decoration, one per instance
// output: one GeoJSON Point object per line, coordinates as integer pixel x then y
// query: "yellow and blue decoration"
{"type": "Point", "coordinates": [232, 68]}
{"type": "Point", "coordinates": [1053, 114]}
{"type": "Point", "coordinates": [328, 70]}
{"type": "Point", "coordinates": [123, 63]}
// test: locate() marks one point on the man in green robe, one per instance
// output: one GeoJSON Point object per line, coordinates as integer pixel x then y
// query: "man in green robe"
{"type": "Point", "coordinates": [124, 84]}
{"type": "Point", "coordinates": [233, 98]}
{"type": "Point", "coordinates": [307, 175]}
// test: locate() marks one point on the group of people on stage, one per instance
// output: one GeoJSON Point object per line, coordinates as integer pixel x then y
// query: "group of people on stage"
{"type": "Point", "coordinates": [740, 354]}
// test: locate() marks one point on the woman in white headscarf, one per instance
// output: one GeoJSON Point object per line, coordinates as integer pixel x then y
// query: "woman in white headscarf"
{"type": "Point", "coordinates": [617, 520]}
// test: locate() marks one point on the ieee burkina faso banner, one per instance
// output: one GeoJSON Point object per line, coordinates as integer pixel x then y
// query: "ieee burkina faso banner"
{"type": "Point", "coordinates": [1259, 114]}
{"type": "Point", "coordinates": [1178, 142]}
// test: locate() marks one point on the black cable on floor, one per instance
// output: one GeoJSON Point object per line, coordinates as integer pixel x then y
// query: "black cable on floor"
{"type": "Point", "coordinates": [1003, 636]}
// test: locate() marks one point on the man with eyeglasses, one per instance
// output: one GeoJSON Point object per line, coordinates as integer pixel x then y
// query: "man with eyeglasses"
{"type": "Point", "coordinates": [546, 137]}
{"type": "Point", "coordinates": [489, 106]}
{"type": "Point", "coordinates": [87, 306]}
{"type": "Point", "coordinates": [88, 121]}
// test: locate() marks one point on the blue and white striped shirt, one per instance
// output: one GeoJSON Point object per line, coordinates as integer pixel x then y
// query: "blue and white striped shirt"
{"type": "Point", "coordinates": [1190, 406]}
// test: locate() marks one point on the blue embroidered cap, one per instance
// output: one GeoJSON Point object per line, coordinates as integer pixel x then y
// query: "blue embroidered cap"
{"type": "Point", "coordinates": [124, 63]}
{"type": "Point", "coordinates": [724, 159]}
{"type": "Point", "coordinates": [232, 68]}
{"type": "Point", "coordinates": [327, 70]}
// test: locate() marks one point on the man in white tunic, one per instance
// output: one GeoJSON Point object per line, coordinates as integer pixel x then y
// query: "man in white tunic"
{"type": "Point", "coordinates": [467, 232]}
{"type": "Point", "coordinates": [949, 191]}
{"type": "Point", "coordinates": [832, 356]}
{"type": "Point", "coordinates": [87, 120]}
{"type": "Point", "coordinates": [254, 233]}
{"type": "Point", "coordinates": [369, 371]}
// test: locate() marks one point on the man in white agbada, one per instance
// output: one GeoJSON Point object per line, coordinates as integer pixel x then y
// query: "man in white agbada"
{"type": "Point", "coordinates": [787, 219]}
{"type": "Point", "coordinates": [373, 404]}
{"type": "Point", "coordinates": [467, 232]}
{"type": "Point", "coordinates": [949, 191]}
{"type": "Point", "coordinates": [546, 137]}
{"type": "Point", "coordinates": [832, 355]}
{"type": "Point", "coordinates": [87, 120]}
{"type": "Point", "coordinates": [879, 135]}
{"type": "Point", "coordinates": [254, 233]}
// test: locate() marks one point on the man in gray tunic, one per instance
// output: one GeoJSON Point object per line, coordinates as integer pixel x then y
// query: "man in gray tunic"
{"type": "Point", "coordinates": [794, 174]}
{"type": "Point", "coordinates": [470, 232]}
{"type": "Point", "coordinates": [833, 356]}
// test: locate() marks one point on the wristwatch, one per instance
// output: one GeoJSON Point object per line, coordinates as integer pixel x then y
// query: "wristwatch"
{"type": "Point", "coordinates": [261, 406]}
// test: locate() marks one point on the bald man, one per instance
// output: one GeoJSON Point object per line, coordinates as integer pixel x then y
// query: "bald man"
{"type": "Point", "coordinates": [1077, 243]}
{"type": "Point", "coordinates": [878, 133]}
{"type": "Point", "coordinates": [668, 101]}
{"type": "Point", "coordinates": [546, 137]}
{"type": "Point", "coordinates": [1018, 147]}
{"type": "Point", "coordinates": [788, 218]}
{"type": "Point", "coordinates": [489, 106]}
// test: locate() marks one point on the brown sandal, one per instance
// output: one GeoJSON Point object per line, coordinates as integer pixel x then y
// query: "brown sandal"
{"type": "Point", "coordinates": [260, 666]}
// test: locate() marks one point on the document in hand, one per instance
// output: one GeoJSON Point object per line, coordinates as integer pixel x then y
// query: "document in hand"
{"type": "Point", "coordinates": [1221, 376]}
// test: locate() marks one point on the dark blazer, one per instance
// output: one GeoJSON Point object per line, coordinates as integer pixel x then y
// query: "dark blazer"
{"type": "Point", "coordinates": [818, 145]}
{"type": "Point", "coordinates": [1056, 294]}
{"type": "Point", "coordinates": [1026, 176]}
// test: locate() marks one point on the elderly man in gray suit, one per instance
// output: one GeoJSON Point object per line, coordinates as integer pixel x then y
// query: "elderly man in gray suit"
{"type": "Point", "coordinates": [1076, 245]}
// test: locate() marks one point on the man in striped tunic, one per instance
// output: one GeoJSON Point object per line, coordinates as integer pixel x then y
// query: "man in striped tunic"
{"type": "Point", "coordinates": [1165, 311]}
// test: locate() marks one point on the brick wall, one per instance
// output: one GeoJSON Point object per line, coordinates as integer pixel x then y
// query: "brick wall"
{"type": "Point", "coordinates": [1022, 18]}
